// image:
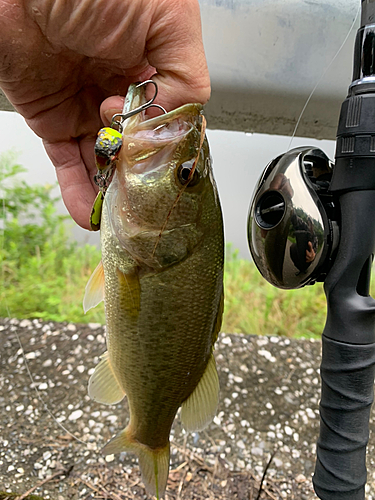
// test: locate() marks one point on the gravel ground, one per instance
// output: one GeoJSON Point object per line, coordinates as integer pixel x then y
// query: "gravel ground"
{"type": "Point", "coordinates": [270, 390]}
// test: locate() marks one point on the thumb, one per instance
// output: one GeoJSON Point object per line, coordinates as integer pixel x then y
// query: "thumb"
{"type": "Point", "coordinates": [110, 107]}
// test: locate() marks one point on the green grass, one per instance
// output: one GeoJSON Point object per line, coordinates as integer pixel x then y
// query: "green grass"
{"type": "Point", "coordinates": [43, 273]}
{"type": "Point", "coordinates": [252, 305]}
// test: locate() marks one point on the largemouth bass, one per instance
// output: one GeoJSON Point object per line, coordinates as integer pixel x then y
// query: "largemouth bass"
{"type": "Point", "coordinates": [162, 276]}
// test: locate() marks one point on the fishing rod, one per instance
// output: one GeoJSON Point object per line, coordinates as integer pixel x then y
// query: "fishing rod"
{"type": "Point", "coordinates": [311, 220]}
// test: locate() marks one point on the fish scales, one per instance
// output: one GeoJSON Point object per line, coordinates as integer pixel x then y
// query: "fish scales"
{"type": "Point", "coordinates": [159, 357]}
{"type": "Point", "coordinates": [162, 265]}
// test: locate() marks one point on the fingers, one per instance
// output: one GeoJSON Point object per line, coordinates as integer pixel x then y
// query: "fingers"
{"type": "Point", "coordinates": [175, 49]}
{"type": "Point", "coordinates": [75, 178]}
{"type": "Point", "coordinates": [310, 253]}
{"type": "Point", "coordinates": [160, 37]}
{"type": "Point", "coordinates": [109, 107]}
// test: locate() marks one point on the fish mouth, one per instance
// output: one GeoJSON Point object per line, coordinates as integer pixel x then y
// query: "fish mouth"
{"type": "Point", "coordinates": [136, 97]}
{"type": "Point", "coordinates": [146, 170]}
{"type": "Point", "coordinates": [148, 143]}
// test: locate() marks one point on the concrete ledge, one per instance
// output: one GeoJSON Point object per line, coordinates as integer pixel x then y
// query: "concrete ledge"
{"type": "Point", "coordinates": [265, 57]}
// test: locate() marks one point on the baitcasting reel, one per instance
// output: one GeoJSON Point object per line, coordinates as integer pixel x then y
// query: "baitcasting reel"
{"type": "Point", "coordinates": [293, 223]}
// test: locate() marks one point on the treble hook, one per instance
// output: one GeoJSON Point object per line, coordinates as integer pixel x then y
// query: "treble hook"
{"type": "Point", "coordinates": [116, 123]}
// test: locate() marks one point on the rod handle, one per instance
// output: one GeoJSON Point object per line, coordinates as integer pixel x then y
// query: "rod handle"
{"type": "Point", "coordinates": [347, 373]}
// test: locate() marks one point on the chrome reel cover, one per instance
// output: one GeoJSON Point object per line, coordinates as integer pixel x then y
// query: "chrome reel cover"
{"type": "Point", "coordinates": [293, 226]}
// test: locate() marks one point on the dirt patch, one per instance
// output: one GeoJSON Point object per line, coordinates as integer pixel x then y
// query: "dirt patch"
{"type": "Point", "coordinates": [270, 390]}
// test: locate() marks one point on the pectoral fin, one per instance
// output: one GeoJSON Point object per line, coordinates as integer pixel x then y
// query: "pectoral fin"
{"type": "Point", "coordinates": [129, 292]}
{"type": "Point", "coordinates": [94, 291]}
{"type": "Point", "coordinates": [199, 408]}
{"type": "Point", "coordinates": [103, 384]}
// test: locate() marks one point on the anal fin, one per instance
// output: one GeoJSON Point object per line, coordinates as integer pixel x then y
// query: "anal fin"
{"type": "Point", "coordinates": [198, 410]}
{"type": "Point", "coordinates": [103, 384]}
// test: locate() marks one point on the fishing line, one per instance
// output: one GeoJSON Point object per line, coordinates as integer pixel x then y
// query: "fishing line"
{"type": "Point", "coordinates": [201, 140]}
{"type": "Point", "coordinates": [322, 76]}
{"type": "Point", "coordinates": [2, 233]}
{"type": "Point", "coordinates": [37, 391]}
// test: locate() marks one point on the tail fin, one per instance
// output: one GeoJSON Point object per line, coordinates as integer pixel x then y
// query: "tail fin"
{"type": "Point", "coordinates": [154, 463]}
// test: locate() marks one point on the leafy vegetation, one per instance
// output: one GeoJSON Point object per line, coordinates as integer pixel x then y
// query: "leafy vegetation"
{"type": "Point", "coordinates": [43, 273]}
{"type": "Point", "coordinates": [252, 305]}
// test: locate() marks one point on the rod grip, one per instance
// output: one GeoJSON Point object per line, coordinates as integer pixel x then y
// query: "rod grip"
{"type": "Point", "coordinates": [347, 373]}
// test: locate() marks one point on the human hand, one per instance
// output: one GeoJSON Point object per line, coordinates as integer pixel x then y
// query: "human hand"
{"type": "Point", "coordinates": [60, 60]}
{"type": "Point", "coordinates": [310, 252]}
{"type": "Point", "coordinates": [282, 183]}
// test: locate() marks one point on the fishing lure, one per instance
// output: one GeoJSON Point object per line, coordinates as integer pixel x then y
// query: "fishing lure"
{"type": "Point", "coordinates": [107, 149]}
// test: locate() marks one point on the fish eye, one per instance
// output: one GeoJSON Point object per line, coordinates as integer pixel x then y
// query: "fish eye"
{"type": "Point", "coordinates": [184, 171]}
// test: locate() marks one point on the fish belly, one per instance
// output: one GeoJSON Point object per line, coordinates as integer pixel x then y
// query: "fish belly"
{"type": "Point", "coordinates": [159, 335]}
